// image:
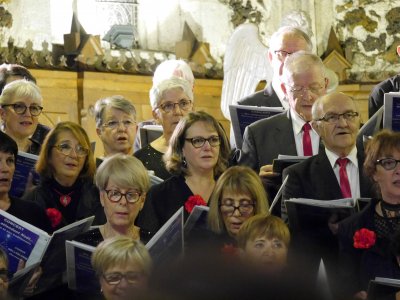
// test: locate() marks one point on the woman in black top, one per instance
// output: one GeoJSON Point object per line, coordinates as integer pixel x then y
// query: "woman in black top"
{"type": "Point", "coordinates": [66, 167]}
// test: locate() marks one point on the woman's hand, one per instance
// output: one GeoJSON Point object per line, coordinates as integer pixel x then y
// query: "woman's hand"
{"type": "Point", "coordinates": [31, 287]}
{"type": "Point", "coordinates": [361, 295]}
{"type": "Point", "coordinates": [266, 171]}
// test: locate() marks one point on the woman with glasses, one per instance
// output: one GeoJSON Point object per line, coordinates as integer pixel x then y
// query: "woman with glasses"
{"type": "Point", "coordinates": [238, 195]}
{"type": "Point", "coordinates": [123, 182]}
{"type": "Point", "coordinates": [170, 100]}
{"type": "Point", "coordinates": [20, 107]}
{"type": "Point", "coordinates": [197, 154]}
{"type": "Point", "coordinates": [66, 167]}
{"type": "Point", "coordinates": [123, 266]}
{"type": "Point", "coordinates": [365, 237]}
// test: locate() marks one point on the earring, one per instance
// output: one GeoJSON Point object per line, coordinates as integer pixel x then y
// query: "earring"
{"type": "Point", "coordinates": [184, 163]}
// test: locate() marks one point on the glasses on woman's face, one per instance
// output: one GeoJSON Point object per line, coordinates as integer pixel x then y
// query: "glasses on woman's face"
{"type": "Point", "coordinates": [116, 196]}
{"type": "Point", "coordinates": [170, 106]}
{"type": "Point", "coordinates": [199, 141]}
{"type": "Point", "coordinates": [228, 207]}
{"type": "Point", "coordinates": [116, 277]}
{"type": "Point", "coordinates": [387, 163]}
{"type": "Point", "coordinates": [115, 124]}
{"type": "Point", "coordinates": [66, 149]}
{"type": "Point", "coordinates": [20, 108]}
{"type": "Point", "coordinates": [4, 275]}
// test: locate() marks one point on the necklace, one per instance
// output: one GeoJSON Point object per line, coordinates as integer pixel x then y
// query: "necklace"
{"type": "Point", "coordinates": [64, 199]}
{"type": "Point", "coordinates": [390, 210]}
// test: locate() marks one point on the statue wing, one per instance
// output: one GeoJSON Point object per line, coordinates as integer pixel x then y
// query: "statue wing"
{"type": "Point", "coordinates": [245, 65]}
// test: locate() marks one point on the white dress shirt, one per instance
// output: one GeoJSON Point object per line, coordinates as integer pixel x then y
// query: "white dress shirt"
{"type": "Point", "coordinates": [297, 124]}
{"type": "Point", "coordinates": [351, 169]}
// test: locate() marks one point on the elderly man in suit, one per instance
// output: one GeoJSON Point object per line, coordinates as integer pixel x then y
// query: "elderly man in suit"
{"type": "Point", "coordinates": [288, 133]}
{"type": "Point", "coordinates": [283, 43]}
{"type": "Point", "coordinates": [335, 173]}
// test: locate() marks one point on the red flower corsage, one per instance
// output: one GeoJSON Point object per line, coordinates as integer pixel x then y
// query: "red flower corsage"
{"type": "Point", "coordinates": [364, 238]}
{"type": "Point", "coordinates": [192, 201]}
{"type": "Point", "coordinates": [55, 216]}
{"type": "Point", "coordinates": [229, 249]}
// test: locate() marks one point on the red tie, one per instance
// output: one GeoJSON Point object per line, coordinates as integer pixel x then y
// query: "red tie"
{"type": "Point", "coordinates": [307, 146]}
{"type": "Point", "coordinates": [344, 179]}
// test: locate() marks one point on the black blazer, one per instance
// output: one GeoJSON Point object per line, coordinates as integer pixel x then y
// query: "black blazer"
{"type": "Point", "coordinates": [265, 139]}
{"type": "Point", "coordinates": [266, 97]}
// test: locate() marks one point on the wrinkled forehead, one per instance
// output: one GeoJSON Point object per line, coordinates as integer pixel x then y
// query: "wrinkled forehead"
{"type": "Point", "coordinates": [338, 105]}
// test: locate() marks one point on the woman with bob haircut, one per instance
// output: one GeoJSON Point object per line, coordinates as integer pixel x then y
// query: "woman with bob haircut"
{"type": "Point", "coordinates": [20, 107]}
{"type": "Point", "coordinates": [238, 195]}
{"type": "Point", "coordinates": [123, 182]}
{"type": "Point", "coordinates": [123, 266]}
{"type": "Point", "coordinates": [170, 99]}
{"type": "Point", "coordinates": [197, 155]}
{"type": "Point", "coordinates": [366, 237]}
{"type": "Point", "coordinates": [264, 242]}
{"type": "Point", "coordinates": [66, 167]}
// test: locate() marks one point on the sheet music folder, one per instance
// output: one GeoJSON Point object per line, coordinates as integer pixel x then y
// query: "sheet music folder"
{"type": "Point", "coordinates": [244, 115]}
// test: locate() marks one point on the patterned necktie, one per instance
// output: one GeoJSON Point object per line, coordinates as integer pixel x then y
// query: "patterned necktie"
{"type": "Point", "coordinates": [344, 179]}
{"type": "Point", "coordinates": [307, 146]}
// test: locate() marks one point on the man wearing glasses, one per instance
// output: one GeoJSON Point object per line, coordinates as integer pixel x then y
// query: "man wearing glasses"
{"type": "Point", "coordinates": [284, 42]}
{"type": "Point", "coordinates": [336, 172]}
{"type": "Point", "coordinates": [288, 133]}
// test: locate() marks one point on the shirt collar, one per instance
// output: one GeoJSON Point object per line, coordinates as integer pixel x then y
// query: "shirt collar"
{"type": "Point", "coordinates": [297, 121]}
{"type": "Point", "coordinates": [333, 157]}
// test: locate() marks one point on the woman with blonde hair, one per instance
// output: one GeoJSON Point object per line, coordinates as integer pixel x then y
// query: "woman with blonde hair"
{"type": "Point", "coordinates": [123, 266]}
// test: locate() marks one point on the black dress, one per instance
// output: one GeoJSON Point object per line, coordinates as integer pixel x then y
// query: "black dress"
{"type": "Point", "coordinates": [162, 201]}
{"type": "Point", "coordinates": [152, 160]}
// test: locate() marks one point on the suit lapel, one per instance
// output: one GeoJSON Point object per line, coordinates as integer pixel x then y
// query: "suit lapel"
{"type": "Point", "coordinates": [325, 180]}
{"type": "Point", "coordinates": [284, 135]}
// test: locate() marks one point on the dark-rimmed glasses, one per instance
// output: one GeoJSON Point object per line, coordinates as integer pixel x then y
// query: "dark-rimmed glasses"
{"type": "Point", "coordinates": [116, 277]}
{"type": "Point", "coordinates": [199, 141]}
{"type": "Point", "coordinates": [170, 106]}
{"type": "Point", "coordinates": [66, 149]}
{"type": "Point", "coordinates": [115, 124]}
{"type": "Point", "coordinates": [334, 118]}
{"type": "Point", "coordinates": [21, 108]}
{"type": "Point", "coordinates": [388, 163]}
{"type": "Point", "coordinates": [245, 209]}
{"type": "Point", "coordinates": [116, 196]}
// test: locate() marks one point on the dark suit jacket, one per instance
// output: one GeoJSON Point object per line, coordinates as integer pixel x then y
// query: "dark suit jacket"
{"type": "Point", "coordinates": [266, 97]}
{"type": "Point", "coordinates": [265, 139]}
{"type": "Point", "coordinates": [375, 100]}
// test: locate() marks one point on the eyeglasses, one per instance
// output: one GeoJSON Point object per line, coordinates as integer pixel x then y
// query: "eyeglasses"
{"type": "Point", "coordinates": [301, 90]}
{"type": "Point", "coordinates": [115, 196]}
{"type": "Point", "coordinates": [115, 278]}
{"type": "Point", "coordinates": [21, 108]}
{"type": "Point", "coordinates": [199, 141]}
{"type": "Point", "coordinates": [170, 106]}
{"type": "Point", "coordinates": [115, 124]}
{"type": "Point", "coordinates": [388, 163]}
{"type": "Point", "coordinates": [282, 54]}
{"type": "Point", "coordinates": [334, 118]}
{"type": "Point", "coordinates": [244, 208]}
{"type": "Point", "coordinates": [66, 149]}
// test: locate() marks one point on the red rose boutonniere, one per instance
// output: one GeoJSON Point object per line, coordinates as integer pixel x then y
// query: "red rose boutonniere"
{"type": "Point", "coordinates": [364, 238]}
{"type": "Point", "coordinates": [192, 201]}
{"type": "Point", "coordinates": [55, 216]}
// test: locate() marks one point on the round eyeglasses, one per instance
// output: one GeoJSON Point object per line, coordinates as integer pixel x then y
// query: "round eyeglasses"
{"type": "Point", "coordinates": [388, 163]}
{"type": "Point", "coordinates": [199, 141]}
{"type": "Point", "coordinates": [170, 106]}
{"type": "Point", "coordinates": [66, 149]}
{"type": "Point", "coordinates": [116, 196]}
{"type": "Point", "coordinates": [116, 277]}
{"type": "Point", "coordinates": [21, 108]}
{"type": "Point", "coordinates": [245, 209]}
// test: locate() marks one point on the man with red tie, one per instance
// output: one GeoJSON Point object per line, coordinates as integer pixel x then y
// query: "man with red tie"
{"type": "Point", "coordinates": [288, 133]}
{"type": "Point", "coordinates": [335, 172]}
